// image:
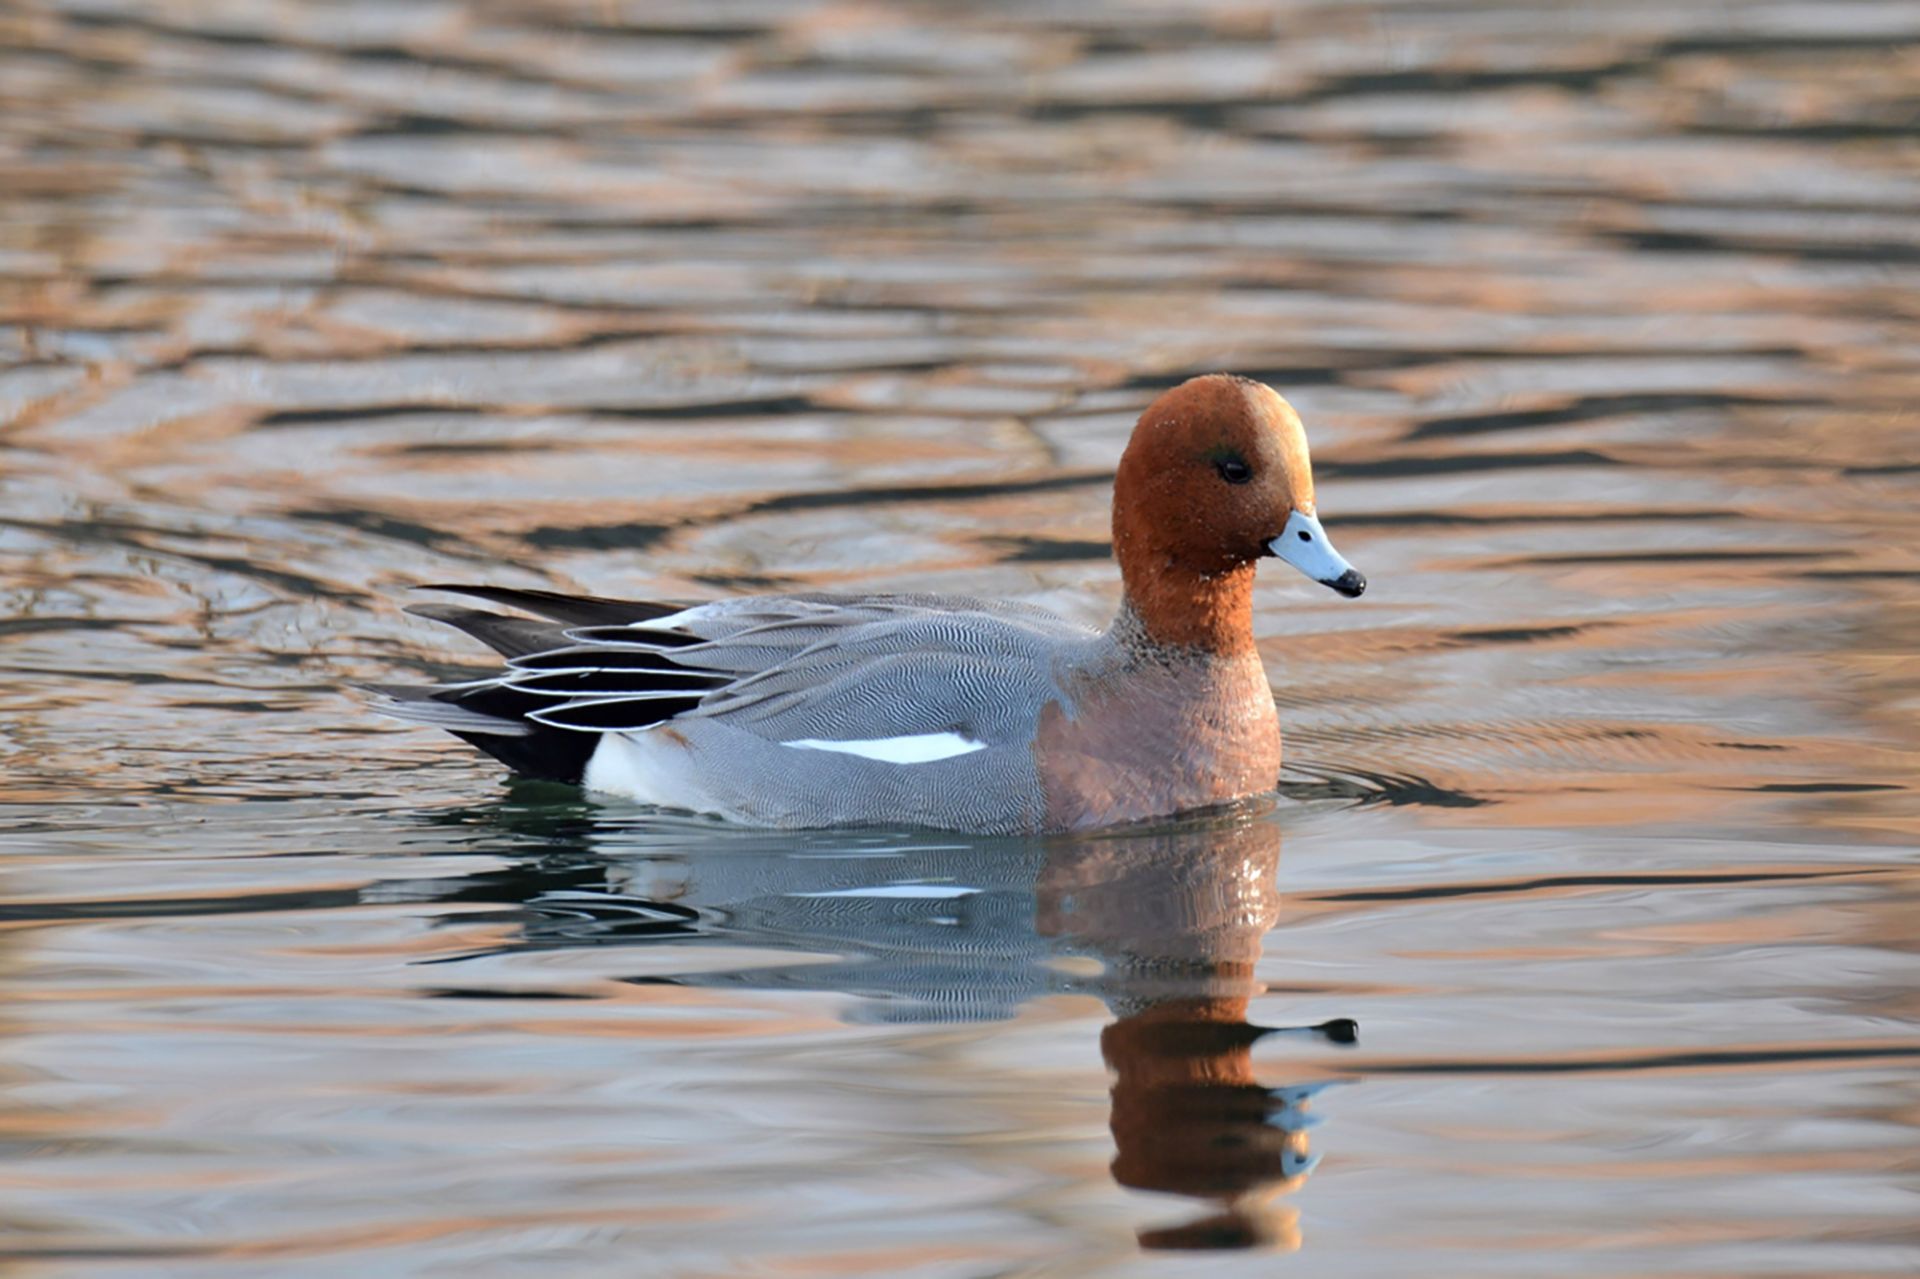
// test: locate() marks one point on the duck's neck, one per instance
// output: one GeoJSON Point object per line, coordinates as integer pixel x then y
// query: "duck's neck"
{"type": "Point", "coordinates": [1176, 608]}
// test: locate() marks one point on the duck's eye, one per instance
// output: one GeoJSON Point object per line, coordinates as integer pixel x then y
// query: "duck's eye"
{"type": "Point", "coordinates": [1233, 470]}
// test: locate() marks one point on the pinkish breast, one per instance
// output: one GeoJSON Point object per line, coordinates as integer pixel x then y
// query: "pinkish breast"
{"type": "Point", "coordinates": [1158, 739]}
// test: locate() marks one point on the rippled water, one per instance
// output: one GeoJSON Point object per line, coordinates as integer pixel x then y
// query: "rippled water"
{"type": "Point", "coordinates": [1599, 819]}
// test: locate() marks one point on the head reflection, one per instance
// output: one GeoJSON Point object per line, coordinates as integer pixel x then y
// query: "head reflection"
{"type": "Point", "coordinates": [930, 928]}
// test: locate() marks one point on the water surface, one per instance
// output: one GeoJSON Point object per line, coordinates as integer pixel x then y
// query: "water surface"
{"type": "Point", "coordinates": [1579, 940]}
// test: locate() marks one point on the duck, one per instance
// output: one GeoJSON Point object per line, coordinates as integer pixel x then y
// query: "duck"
{"type": "Point", "coordinates": [988, 717]}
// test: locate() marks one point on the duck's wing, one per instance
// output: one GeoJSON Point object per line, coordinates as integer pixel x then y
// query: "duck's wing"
{"type": "Point", "coordinates": [488, 712]}
{"type": "Point", "coordinates": [789, 668]}
{"type": "Point", "coordinates": [979, 673]}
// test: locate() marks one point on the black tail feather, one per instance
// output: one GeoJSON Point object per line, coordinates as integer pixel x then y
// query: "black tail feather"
{"type": "Point", "coordinates": [526, 746]}
{"type": "Point", "coordinates": [573, 610]}
{"type": "Point", "coordinates": [550, 754]}
{"type": "Point", "coordinates": [507, 636]}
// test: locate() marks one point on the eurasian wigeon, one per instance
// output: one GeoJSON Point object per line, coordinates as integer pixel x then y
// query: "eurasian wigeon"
{"type": "Point", "coordinates": [925, 710]}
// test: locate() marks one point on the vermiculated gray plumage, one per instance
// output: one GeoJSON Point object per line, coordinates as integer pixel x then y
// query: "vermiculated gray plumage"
{"type": "Point", "coordinates": [748, 678]}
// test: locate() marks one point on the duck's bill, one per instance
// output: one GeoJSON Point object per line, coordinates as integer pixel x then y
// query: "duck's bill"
{"type": "Point", "coordinates": [1304, 545]}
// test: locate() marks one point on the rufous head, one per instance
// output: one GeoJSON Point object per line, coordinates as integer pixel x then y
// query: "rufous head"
{"type": "Point", "coordinates": [1216, 477]}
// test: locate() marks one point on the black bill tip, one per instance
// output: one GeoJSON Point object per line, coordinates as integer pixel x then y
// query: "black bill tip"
{"type": "Point", "coordinates": [1341, 1030]}
{"type": "Point", "coordinates": [1349, 583]}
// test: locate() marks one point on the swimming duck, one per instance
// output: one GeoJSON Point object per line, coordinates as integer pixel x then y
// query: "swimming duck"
{"type": "Point", "coordinates": [986, 716]}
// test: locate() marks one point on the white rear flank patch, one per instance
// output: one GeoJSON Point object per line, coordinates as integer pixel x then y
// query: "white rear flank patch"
{"type": "Point", "coordinates": [647, 767]}
{"type": "Point", "coordinates": [919, 748]}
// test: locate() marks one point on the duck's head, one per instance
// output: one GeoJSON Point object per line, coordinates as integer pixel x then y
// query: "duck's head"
{"type": "Point", "coordinates": [1215, 477]}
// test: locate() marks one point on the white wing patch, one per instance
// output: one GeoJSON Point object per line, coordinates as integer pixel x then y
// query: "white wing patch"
{"type": "Point", "coordinates": [902, 892]}
{"type": "Point", "coordinates": [670, 621]}
{"type": "Point", "coordinates": [919, 748]}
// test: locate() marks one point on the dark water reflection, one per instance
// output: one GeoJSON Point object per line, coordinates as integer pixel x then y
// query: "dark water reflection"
{"type": "Point", "coordinates": [1164, 927]}
{"type": "Point", "coordinates": [1599, 811]}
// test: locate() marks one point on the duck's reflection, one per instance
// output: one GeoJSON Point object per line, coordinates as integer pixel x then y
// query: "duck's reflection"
{"type": "Point", "coordinates": [927, 928]}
